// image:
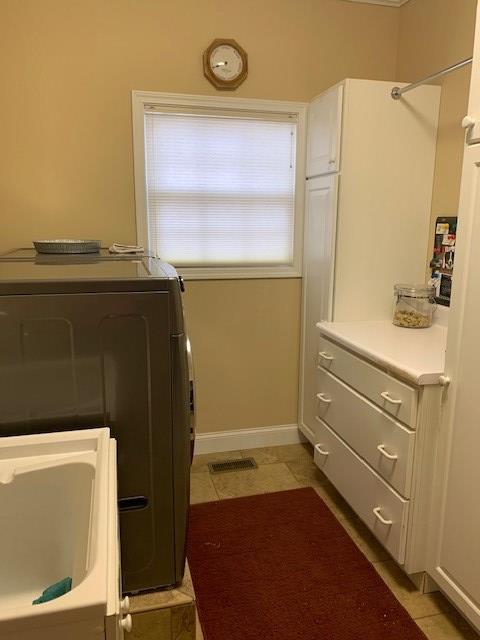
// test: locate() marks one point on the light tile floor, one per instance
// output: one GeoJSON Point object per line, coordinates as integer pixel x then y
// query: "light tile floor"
{"type": "Point", "coordinates": [292, 466]}
{"type": "Point", "coordinates": [168, 614]}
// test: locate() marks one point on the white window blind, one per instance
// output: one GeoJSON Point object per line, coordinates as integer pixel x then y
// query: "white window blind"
{"type": "Point", "coordinates": [221, 188]}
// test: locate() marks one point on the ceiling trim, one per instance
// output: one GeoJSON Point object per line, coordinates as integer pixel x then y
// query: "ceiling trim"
{"type": "Point", "coordinates": [387, 3]}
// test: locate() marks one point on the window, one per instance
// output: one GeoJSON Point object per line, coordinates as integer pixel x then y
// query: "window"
{"type": "Point", "coordinates": [216, 184]}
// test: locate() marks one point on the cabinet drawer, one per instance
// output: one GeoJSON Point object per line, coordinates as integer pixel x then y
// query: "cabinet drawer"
{"type": "Point", "coordinates": [390, 394]}
{"type": "Point", "coordinates": [380, 507]}
{"type": "Point", "coordinates": [384, 443]}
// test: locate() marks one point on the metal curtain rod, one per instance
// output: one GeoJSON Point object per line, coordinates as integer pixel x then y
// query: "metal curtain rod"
{"type": "Point", "coordinates": [398, 91]}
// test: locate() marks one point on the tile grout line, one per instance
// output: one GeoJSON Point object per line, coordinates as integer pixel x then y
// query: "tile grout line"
{"type": "Point", "coordinates": [294, 477]}
{"type": "Point", "coordinates": [214, 487]}
{"type": "Point", "coordinates": [430, 615]}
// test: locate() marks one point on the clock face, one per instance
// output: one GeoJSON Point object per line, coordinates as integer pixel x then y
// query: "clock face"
{"type": "Point", "coordinates": [226, 63]}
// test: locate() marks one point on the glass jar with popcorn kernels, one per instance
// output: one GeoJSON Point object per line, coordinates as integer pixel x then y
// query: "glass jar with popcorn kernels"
{"type": "Point", "coordinates": [414, 306]}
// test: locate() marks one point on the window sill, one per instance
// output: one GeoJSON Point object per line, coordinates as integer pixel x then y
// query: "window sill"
{"type": "Point", "coordinates": [237, 273]}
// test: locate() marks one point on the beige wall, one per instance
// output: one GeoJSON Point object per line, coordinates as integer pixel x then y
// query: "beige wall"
{"type": "Point", "coordinates": [67, 71]}
{"type": "Point", "coordinates": [434, 34]}
{"type": "Point", "coordinates": [246, 336]}
{"type": "Point", "coordinates": [68, 68]}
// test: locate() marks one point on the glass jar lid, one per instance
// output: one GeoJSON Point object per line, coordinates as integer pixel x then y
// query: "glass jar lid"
{"type": "Point", "coordinates": [415, 290]}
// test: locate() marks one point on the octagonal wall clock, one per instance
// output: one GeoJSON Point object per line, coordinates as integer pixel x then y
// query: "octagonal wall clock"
{"type": "Point", "coordinates": [225, 64]}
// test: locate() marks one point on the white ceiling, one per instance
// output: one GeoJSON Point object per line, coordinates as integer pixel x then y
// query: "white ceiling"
{"type": "Point", "coordinates": [388, 3]}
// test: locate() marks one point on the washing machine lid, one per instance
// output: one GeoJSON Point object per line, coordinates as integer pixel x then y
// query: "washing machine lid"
{"type": "Point", "coordinates": [23, 271]}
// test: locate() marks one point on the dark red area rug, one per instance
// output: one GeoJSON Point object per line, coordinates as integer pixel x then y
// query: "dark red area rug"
{"type": "Point", "coordinates": [279, 566]}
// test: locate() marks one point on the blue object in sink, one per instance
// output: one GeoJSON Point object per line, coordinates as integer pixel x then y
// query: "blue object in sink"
{"type": "Point", "coordinates": [56, 590]}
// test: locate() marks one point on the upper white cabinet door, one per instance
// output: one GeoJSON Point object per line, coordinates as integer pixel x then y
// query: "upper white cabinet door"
{"type": "Point", "coordinates": [455, 560]}
{"type": "Point", "coordinates": [324, 131]}
{"type": "Point", "coordinates": [318, 257]}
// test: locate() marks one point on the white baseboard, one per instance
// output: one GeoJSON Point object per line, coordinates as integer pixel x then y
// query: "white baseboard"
{"type": "Point", "coordinates": [218, 441]}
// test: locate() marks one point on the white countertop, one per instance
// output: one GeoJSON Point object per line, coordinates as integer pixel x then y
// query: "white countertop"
{"type": "Point", "coordinates": [418, 355]}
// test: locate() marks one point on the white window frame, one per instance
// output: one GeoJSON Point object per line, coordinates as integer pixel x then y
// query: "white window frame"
{"type": "Point", "coordinates": [141, 99]}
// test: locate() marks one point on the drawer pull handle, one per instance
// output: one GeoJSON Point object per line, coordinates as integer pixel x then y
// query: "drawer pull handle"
{"type": "Point", "coordinates": [384, 452]}
{"type": "Point", "coordinates": [325, 356]}
{"type": "Point", "coordinates": [126, 623]}
{"type": "Point", "coordinates": [125, 605]}
{"type": "Point", "coordinates": [322, 398]}
{"type": "Point", "coordinates": [378, 515]}
{"type": "Point", "coordinates": [386, 396]}
{"type": "Point", "coordinates": [318, 447]}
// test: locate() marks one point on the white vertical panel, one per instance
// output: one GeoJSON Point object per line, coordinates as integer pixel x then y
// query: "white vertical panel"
{"type": "Point", "coordinates": [455, 558]}
{"type": "Point", "coordinates": [388, 159]}
{"type": "Point", "coordinates": [320, 221]}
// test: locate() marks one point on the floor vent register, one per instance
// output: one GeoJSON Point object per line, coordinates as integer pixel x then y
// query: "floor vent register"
{"type": "Point", "coordinates": [223, 466]}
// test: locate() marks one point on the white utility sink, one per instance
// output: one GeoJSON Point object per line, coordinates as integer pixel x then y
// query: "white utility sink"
{"type": "Point", "coordinates": [58, 519]}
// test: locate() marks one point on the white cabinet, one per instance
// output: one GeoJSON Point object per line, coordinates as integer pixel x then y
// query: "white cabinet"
{"type": "Point", "coordinates": [320, 216]}
{"type": "Point", "coordinates": [320, 221]}
{"type": "Point", "coordinates": [383, 442]}
{"type": "Point", "coordinates": [367, 224]}
{"type": "Point", "coordinates": [324, 125]}
{"type": "Point", "coordinates": [395, 397]}
{"type": "Point", "coordinates": [383, 510]}
{"type": "Point", "coordinates": [455, 558]}
{"type": "Point", "coordinates": [381, 466]}
{"type": "Point", "coordinates": [455, 563]}
{"type": "Point", "coordinates": [387, 151]}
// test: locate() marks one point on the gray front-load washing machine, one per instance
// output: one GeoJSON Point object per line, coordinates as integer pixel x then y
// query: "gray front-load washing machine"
{"type": "Point", "coordinates": [99, 340]}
